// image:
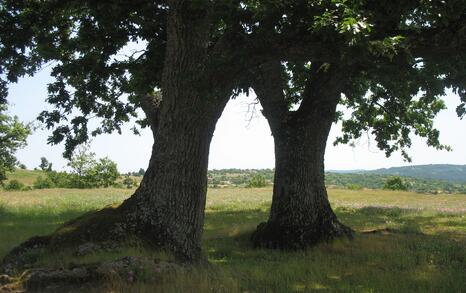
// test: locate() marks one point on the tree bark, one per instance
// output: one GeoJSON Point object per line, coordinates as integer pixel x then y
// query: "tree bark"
{"type": "Point", "coordinates": [168, 207]}
{"type": "Point", "coordinates": [301, 214]}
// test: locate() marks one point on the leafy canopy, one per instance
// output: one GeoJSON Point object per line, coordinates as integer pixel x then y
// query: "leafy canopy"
{"type": "Point", "coordinates": [393, 61]}
{"type": "Point", "coordinates": [395, 58]}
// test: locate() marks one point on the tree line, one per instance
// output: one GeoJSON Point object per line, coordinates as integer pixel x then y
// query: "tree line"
{"type": "Point", "coordinates": [387, 62]}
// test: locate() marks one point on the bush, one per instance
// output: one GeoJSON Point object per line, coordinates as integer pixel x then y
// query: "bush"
{"type": "Point", "coordinates": [14, 185]}
{"type": "Point", "coordinates": [395, 183]}
{"type": "Point", "coordinates": [129, 182]}
{"type": "Point", "coordinates": [353, 187]}
{"type": "Point", "coordinates": [43, 183]}
{"type": "Point", "coordinates": [104, 173]}
{"type": "Point", "coordinates": [257, 181]}
{"type": "Point", "coordinates": [59, 179]}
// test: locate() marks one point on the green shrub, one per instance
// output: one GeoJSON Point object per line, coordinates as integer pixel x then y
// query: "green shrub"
{"type": "Point", "coordinates": [395, 183]}
{"type": "Point", "coordinates": [14, 185]}
{"type": "Point", "coordinates": [353, 187]}
{"type": "Point", "coordinates": [27, 188]}
{"type": "Point", "coordinates": [129, 182]}
{"type": "Point", "coordinates": [257, 180]}
{"type": "Point", "coordinates": [43, 183]}
{"type": "Point", "coordinates": [59, 179]}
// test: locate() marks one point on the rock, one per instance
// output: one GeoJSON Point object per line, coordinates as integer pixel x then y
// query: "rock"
{"type": "Point", "coordinates": [133, 268]}
{"type": "Point", "coordinates": [5, 279]}
{"type": "Point", "coordinates": [37, 279]}
{"type": "Point", "coordinates": [87, 248]}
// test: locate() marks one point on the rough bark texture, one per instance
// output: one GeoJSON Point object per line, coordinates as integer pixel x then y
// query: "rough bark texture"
{"type": "Point", "coordinates": [300, 214]}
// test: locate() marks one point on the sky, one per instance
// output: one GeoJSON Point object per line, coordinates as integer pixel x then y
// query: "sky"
{"type": "Point", "coordinates": [238, 142]}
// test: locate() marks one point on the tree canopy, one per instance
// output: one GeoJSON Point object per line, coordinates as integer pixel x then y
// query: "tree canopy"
{"type": "Point", "coordinates": [397, 58]}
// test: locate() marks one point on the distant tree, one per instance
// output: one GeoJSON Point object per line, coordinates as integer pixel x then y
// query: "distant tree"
{"type": "Point", "coordinates": [257, 180]}
{"type": "Point", "coordinates": [13, 135]}
{"type": "Point", "coordinates": [45, 165]}
{"type": "Point", "coordinates": [104, 173]}
{"type": "Point", "coordinates": [141, 172]}
{"type": "Point", "coordinates": [395, 183]}
{"type": "Point", "coordinates": [22, 166]}
{"type": "Point", "coordinates": [82, 161]}
{"type": "Point", "coordinates": [129, 182]}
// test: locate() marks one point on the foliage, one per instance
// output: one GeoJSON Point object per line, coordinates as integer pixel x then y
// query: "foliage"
{"type": "Point", "coordinates": [129, 182]}
{"type": "Point", "coordinates": [393, 55]}
{"type": "Point", "coordinates": [241, 178]}
{"type": "Point", "coordinates": [22, 166]}
{"type": "Point", "coordinates": [257, 181]}
{"type": "Point", "coordinates": [45, 165]}
{"type": "Point", "coordinates": [395, 183]}
{"type": "Point", "coordinates": [88, 172]}
{"type": "Point", "coordinates": [43, 183]}
{"type": "Point", "coordinates": [13, 136]}
{"type": "Point", "coordinates": [104, 173]}
{"type": "Point", "coordinates": [14, 185]}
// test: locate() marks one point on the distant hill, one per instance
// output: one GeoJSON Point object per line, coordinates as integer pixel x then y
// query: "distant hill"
{"type": "Point", "coordinates": [447, 172]}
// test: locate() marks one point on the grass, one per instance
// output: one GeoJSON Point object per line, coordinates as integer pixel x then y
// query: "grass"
{"type": "Point", "coordinates": [425, 254]}
{"type": "Point", "coordinates": [27, 177]}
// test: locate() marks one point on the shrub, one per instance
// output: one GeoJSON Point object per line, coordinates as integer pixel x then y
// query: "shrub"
{"type": "Point", "coordinates": [43, 183]}
{"type": "Point", "coordinates": [104, 173]}
{"type": "Point", "coordinates": [59, 179]}
{"type": "Point", "coordinates": [257, 181]}
{"type": "Point", "coordinates": [395, 183]}
{"type": "Point", "coordinates": [129, 182]}
{"type": "Point", "coordinates": [354, 187]}
{"type": "Point", "coordinates": [14, 185]}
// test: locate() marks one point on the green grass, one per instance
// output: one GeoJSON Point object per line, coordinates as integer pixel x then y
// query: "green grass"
{"type": "Point", "coordinates": [27, 177]}
{"type": "Point", "coordinates": [425, 254]}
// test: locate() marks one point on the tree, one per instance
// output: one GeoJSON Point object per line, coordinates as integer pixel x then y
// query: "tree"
{"type": "Point", "coordinates": [389, 63]}
{"type": "Point", "coordinates": [395, 183]}
{"type": "Point", "coordinates": [105, 173]}
{"type": "Point", "coordinates": [13, 135]}
{"type": "Point", "coordinates": [181, 75]}
{"type": "Point", "coordinates": [257, 180]}
{"type": "Point", "coordinates": [45, 165]}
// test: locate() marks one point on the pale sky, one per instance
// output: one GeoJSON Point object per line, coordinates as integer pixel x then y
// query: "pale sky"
{"type": "Point", "coordinates": [237, 142]}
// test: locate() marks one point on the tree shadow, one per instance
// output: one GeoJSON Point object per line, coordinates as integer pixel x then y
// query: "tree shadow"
{"type": "Point", "coordinates": [404, 259]}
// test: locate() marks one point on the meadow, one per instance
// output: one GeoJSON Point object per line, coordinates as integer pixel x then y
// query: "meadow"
{"type": "Point", "coordinates": [405, 242]}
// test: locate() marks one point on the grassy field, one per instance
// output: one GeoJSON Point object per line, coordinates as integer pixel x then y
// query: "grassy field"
{"type": "Point", "coordinates": [425, 253]}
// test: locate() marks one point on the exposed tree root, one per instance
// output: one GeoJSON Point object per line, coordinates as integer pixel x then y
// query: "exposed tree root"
{"type": "Point", "coordinates": [104, 228]}
{"type": "Point", "coordinates": [277, 236]}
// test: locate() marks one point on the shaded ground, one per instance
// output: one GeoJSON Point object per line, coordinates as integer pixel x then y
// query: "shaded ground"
{"type": "Point", "coordinates": [423, 250]}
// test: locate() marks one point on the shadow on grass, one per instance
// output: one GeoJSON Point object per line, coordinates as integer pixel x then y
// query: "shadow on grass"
{"type": "Point", "coordinates": [404, 260]}
{"type": "Point", "coordinates": [16, 226]}
{"type": "Point", "coordinates": [408, 260]}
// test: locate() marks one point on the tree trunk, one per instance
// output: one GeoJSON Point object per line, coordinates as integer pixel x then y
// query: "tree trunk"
{"type": "Point", "coordinates": [168, 207]}
{"type": "Point", "coordinates": [301, 214]}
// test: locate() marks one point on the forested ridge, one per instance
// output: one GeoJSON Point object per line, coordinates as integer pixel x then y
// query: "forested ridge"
{"type": "Point", "coordinates": [373, 179]}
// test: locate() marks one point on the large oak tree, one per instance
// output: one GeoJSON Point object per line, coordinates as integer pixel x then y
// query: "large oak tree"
{"type": "Point", "coordinates": [181, 74]}
{"type": "Point", "coordinates": [388, 62]}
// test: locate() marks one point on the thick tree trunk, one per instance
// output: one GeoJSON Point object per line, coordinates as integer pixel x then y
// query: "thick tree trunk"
{"type": "Point", "coordinates": [301, 214]}
{"type": "Point", "coordinates": [168, 207]}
